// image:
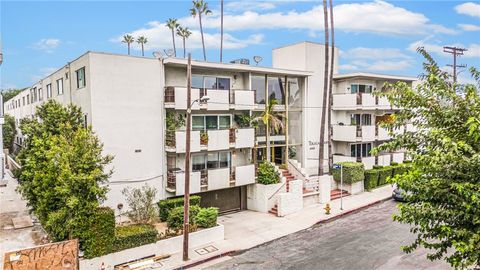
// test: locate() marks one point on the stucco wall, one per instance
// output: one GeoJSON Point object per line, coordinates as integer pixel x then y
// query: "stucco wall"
{"type": "Point", "coordinates": [258, 196]}
{"type": "Point", "coordinates": [291, 201]}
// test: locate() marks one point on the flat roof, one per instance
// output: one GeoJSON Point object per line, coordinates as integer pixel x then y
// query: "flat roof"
{"type": "Point", "coordinates": [235, 67]}
{"type": "Point", "coordinates": [373, 76]}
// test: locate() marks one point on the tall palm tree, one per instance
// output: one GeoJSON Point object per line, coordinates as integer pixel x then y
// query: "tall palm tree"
{"type": "Point", "coordinates": [330, 92]}
{"type": "Point", "coordinates": [172, 24]}
{"type": "Point", "coordinates": [184, 33]}
{"type": "Point", "coordinates": [142, 40]}
{"type": "Point", "coordinates": [129, 40]}
{"type": "Point", "coordinates": [321, 147]}
{"type": "Point", "coordinates": [200, 7]}
{"type": "Point", "coordinates": [221, 31]}
{"type": "Point", "coordinates": [272, 120]}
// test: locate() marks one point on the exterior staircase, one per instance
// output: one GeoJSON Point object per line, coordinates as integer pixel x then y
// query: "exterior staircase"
{"type": "Point", "coordinates": [335, 194]}
{"type": "Point", "coordinates": [274, 210]}
{"type": "Point", "coordinates": [288, 177]}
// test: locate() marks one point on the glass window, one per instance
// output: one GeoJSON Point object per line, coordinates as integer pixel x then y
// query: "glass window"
{"type": "Point", "coordinates": [276, 89]}
{"type": "Point", "coordinates": [354, 88]}
{"type": "Point", "coordinates": [28, 99]}
{"type": "Point", "coordinates": [212, 161]}
{"type": "Point", "coordinates": [40, 94]}
{"type": "Point", "coordinates": [369, 148]}
{"type": "Point", "coordinates": [198, 122]}
{"type": "Point", "coordinates": [366, 119]}
{"type": "Point", "coordinates": [23, 101]}
{"type": "Point", "coordinates": [224, 159]}
{"type": "Point", "coordinates": [198, 162]}
{"type": "Point", "coordinates": [210, 82]}
{"type": "Point", "coordinates": [60, 86]}
{"type": "Point", "coordinates": [49, 90]}
{"type": "Point", "coordinates": [295, 95]}
{"type": "Point", "coordinates": [355, 119]}
{"type": "Point", "coordinates": [80, 77]}
{"type": "Point", "coordinates": [224, 122]}
{"type": "Point", "coordinates": [258, 85]}
{"type": "Point", "coordinates": [223, 84]}
{"type": "Point", "coordinates": [211, 122]}
{"type": "Point", "coordinates": [197, 81]}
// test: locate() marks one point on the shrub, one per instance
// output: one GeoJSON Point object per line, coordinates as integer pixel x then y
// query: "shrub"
{"type": "Point", "coordinates": [134, 235]}
{"type": "Point", "coordinates": [377, 166]}
{"type": "Point", "coordinates": [98, 238]}
{"type": "Point", "coordinates": [175, 217]}
{"type": "Point", "coordinates": [393, 163]}
{"type": "Point", "coordinates": [166, 205]}
{"type": "Point", "coordinates": [207, 217]}
{"type": "Point", "coordinates": [383, 175]}
{"type": "Point", "coordinates": [371, 179]}
{"type": "Point", "coordinates": [352, 172]}
{"type": "Point", "coordinates": [267, 174]}
{"type": "Point", "coordinates": [141, 203]}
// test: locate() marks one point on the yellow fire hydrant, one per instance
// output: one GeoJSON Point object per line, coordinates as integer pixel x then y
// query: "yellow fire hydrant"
{"type": "Point", "coordinates": [327, 209]}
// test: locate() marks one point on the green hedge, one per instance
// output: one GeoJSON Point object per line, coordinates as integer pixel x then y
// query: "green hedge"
{"type": "Point", "coordinates": [207, 217]}
{"type": "Point", "coordinates": [175, 217]}
{"type": "Point", "coordinates": [383, 174]}
{"type": "Point", "coordinates": [267, 174]}
{"type": "Point", "coordinates": [165, 206]}
{"type": "Point", "coordinates": [99, 237]}
{"type": "Point", "coordinates": [352, 172]}
{"type": "Point", "coordinates": [133, 236]}
{"type": "Point", "coordinates": [371, 179]}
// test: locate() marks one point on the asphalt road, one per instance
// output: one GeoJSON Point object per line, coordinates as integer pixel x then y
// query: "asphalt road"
{"type": "Point", "coordinates": [368, 239]}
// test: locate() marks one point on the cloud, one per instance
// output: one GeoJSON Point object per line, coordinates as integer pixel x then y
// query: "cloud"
{"type": "Point", "coordinates": [469, 27]}
{"type": "Point", "coordinates": [249, 5]}
{"type": "Point", "coordinates": [42, 73]}
{"type": "Point", "coordinates": [46, 44]}
{"type": "Point", "coordinates": [160, 37]}
{"type": "Point", "coordinates": [469, 8]}
{"type": "Point", "coordinates": [375, 59]}
{"type": "Point", "coordinates": [473, 50]}
{"type": "Point", "coordinates": [375, 17]}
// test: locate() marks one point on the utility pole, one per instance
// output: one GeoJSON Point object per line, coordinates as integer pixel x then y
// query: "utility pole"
{"type": "Point", "coordinates": [455, 51]}
{"type": "Point", "coordinates": [186, 201]}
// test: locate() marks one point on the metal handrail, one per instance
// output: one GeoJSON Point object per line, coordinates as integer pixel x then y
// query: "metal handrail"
{"type": "Point", "coordinates": [284, 183]}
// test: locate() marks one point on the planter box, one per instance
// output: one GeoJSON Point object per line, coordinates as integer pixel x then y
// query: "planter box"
{"type": "Point", "coordinates": [354, 188]}
{"type": "Point", "coordinates": [258, 194]}
{"type": "Point", "coordinates": [162, 247]}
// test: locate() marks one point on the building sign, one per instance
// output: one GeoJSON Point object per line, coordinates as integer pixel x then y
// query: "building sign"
{"type": "Point", "coordinates": [54, 256]}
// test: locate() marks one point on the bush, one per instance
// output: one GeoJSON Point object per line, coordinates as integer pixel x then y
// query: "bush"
{"type": "Point", "coordinates": [383, 174]}
{"type": "Point", "coordinates": [352, 172]}
{"type": "Point", "coordinates": [141, 204]}
{"type": "Point", "coordinates": [371, 179]}
{"type": "Point", "coordinates": [207, 217]}
{"type": "Point", "coordinates": [165, 206]}
{"type": "Point", "coordinates": [393, 163]}
{"type": "Point", "coordinates": [175, 217]}
{"type": "Point", "coordinates": [98, 238]}
{"type": "Point", "coordinates": [267, 174]}
{"type": "Point", "coordinates": [377, 166]}
{"type": "Point", "coordinates": [134, 235]}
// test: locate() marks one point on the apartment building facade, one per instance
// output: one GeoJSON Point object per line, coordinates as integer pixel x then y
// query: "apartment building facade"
{"type": "Point", "coordinates": [137, 107]}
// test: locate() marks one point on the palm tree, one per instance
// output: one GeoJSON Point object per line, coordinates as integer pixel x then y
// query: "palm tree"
{"type": "Point", "coordinates": [321, 147]}
{"type": "Point", "coordinates": [129, 40]}
{"type": "Point", "coordinates": [200, 7]}
{"type": "Point", "coordinates": [221, 30]}
{"type": "Point", "coordinates": [184, 33]}
{"type": "Point", "coordinates": [272, 120]}
{"type": "Point", "coordinates": [172, 24]}
{"type": "Point", "coordinates": [330, 92]}
{"type": "Point", "coordinates": [142, 40]}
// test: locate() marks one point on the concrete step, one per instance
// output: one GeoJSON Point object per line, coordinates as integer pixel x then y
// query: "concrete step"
{"type": "Point", "coordinates": [274, 210]}
{"type": "Point", "coordinates": [336, 194]}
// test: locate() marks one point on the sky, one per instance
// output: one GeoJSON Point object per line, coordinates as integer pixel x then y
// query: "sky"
{"type": "Point", "coordinates": [373, 36]}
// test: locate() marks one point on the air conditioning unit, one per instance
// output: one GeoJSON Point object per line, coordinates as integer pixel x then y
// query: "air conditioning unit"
{"type": "Point", "coordinates": [243, 61]}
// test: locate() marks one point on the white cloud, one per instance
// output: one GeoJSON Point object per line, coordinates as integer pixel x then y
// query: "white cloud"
{"type": "Point", "coordinates": [374, 53]}
{"type": "Point", "coordinates": [46, 44]}
{"type": "Point", "coordinates": [378, 17]}
{"type": "Point", "coordinates": [469, 27]}
{"type": "Point", "coordinates": [375, 59]}
{"type": "Point", "coordinates": [42, 73]}
{"type": "Point", "coordinates": [160, 37]}
{"type": "Point", "coordinates": [469, 8]}
{"type": "Point", "coordinates": [473, 50]}
{"type": "Point", "coordinates": [248, 5]}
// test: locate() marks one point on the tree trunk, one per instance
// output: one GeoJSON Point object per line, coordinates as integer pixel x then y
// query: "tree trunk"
{"type": "Point", "coordinates": [267, 140]}
{"type": "Point", "coordinates": [173, 40]}
{"type": "Point", "coordinates": [221, 31]}
{"type": "Point", "coordinates": [330, 93]}
{"type": "Point", "coordinates": [321, 146]}
{"type": "Point", "coordinates": [128, 45]}
{"type": "Point", "coordinates": [184, 51]}
{"type": "Point", "coordinates": [201, 32]}
{"type": "Point", "coordinates": [143, 52]}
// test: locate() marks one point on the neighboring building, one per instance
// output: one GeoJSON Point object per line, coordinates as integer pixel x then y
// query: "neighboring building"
{"type": "Point", "coordinates": [136, 106]}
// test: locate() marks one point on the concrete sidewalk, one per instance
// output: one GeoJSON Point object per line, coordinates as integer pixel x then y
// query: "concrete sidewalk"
{"type": "Point", "coordinates": [248, 229]}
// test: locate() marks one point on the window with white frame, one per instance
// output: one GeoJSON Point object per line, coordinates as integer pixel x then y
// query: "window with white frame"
{"type": "Point", "coordinates": [80, 77]}
{"type": "Point", "coordinates": [60, 86]}
{"type": "Point", "coordinates": [40, 94]}
{"type": "Point", "coordinates": [360, 149]}
{"type": "Point", "coordinates": [361, 88]}
{"type": "Point", "coordinates": [215, 160]}
{"type": "Point", "coordinates": [210, 82]}
{"type": "Point", "coordinates": [361, 119]}
{"type": "Point", "coordinates": [49, 90]}
{"type": "Point", "coordinates": [211, 122]}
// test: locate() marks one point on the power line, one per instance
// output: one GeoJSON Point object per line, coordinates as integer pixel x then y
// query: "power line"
{"type": "Point", "coordinates": [455, 51]}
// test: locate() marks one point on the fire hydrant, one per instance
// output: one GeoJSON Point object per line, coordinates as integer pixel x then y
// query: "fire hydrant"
{"type": "Point", "coordinates": [327, 209]}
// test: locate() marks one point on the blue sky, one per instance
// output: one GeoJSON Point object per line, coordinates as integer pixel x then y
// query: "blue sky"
{"type": "Point", "coordinates": [373, 36]}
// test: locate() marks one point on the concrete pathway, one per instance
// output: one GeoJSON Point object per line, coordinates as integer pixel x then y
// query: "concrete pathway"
{"type": "Point", "coordinates": [248, 229]}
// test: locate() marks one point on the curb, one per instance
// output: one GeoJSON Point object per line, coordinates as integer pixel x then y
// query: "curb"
{"type": "Point", "coordinates": [323, 221]}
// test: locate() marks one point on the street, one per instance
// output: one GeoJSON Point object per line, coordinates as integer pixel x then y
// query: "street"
{"type": "Point", "coordinates": [368, 239]}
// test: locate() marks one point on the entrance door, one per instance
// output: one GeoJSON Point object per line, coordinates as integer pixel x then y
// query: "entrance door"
{"type": "Point", "coordinates": [277, 155]}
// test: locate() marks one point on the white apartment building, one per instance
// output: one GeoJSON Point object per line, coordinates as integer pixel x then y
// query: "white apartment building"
{"type": "Point", "coordinates": [131, 103]}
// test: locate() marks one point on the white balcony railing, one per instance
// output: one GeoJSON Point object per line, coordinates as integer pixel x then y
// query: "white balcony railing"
{"type": "Point", "coordinates": [359, 101]}
{"type": "Point", "coordinates": [383, 134]}
{"type": "Point", "coordinates": [180, 140]}
{"type": "Point", "coordinates": [244, 175]}
{"type": "Point", "coordinates": [244, 99]}
{"type": "Point", "coordinates": [218, 140]}
{"type": "Point", "coordinates": [219, 100]}
{"type": "Point", "coordinates": [180, 183]}
{"type": "Point", "coordinates": [244, 138]}
{"type": "Point", "coordinates": [351, 133]}
{"type": "Point", "coordinates": [218, 178]}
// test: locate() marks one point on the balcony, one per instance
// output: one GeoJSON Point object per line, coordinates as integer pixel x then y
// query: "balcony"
{"type": "Point", "coordinates": [211, 179]}
{"type": "Point", "coordinates": [382, 134]}
{"type": "Point", "coordinates": [218, 140]}
{"type": "Point", "coordinates": [243, 137]}
{"type": "Point", "coordinates": [176, 142]}
{"type": "Point", "coordinates": [351, 133]}
{"type": "Point", "coordinates": [220, 100]}
{"type": "Point", "coordinates": [359, 101]}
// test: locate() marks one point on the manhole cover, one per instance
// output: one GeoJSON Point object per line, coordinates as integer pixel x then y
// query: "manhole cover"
{"type": "Point", "coordinates": [206, 250]}
{"type": "Point", "coordinates": [22, 222]}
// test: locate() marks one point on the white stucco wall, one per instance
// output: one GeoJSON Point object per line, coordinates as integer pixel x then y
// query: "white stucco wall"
{"type": "Point", "coordinates": [258, 196]}
{"type": "Point", "coordinates": [291, 201]}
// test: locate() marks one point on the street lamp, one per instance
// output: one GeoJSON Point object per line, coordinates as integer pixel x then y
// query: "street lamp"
{"type": "Point", "coordinates": [186, 201]}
